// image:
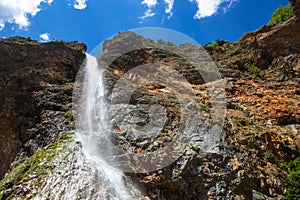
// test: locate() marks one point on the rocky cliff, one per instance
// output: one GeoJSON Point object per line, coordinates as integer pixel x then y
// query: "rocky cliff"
{"type": "Point", "coordinates": [35, 94]}
{"type": "Point", "coordinates": [261, 127]}
{"type": "Point", "coordinates": [260, 131]}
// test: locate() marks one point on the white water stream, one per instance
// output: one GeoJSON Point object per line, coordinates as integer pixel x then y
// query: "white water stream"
{"type": "Point", "coordinates": [94, 133]}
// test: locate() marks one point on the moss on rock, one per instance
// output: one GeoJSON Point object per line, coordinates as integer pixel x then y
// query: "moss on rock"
{"type": "Point", "coordinates": [28, 177]}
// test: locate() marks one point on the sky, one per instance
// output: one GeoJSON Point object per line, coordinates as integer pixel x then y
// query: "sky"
{"type": "Point", "coordinates": [93, 21]}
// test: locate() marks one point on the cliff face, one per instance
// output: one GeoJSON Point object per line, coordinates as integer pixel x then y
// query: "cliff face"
{"type": "Point", "coordinates": [261, 127]}
{"type": "Point", "coordinates": [260, 133]}
{"type": "Point", "coordinates": [35, 95]}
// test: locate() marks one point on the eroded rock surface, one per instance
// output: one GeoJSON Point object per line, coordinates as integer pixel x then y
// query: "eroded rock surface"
{"type": "Point", "coordinates": [261, 127]}
{"type": "Point", "coordinates": [35, 94]}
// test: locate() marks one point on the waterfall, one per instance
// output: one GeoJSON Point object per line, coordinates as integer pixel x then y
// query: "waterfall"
{"type": "Point", "coordinates": [93, 132]}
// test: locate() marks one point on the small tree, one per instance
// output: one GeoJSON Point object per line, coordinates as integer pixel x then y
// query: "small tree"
{"type": "Point", "coordinates": [282, 14]}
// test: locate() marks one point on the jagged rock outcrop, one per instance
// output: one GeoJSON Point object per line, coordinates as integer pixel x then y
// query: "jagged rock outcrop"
{"type": "Point", "coordinates": [35, 94]}
{"type": "Point", "coordinates": [270, 39]}
{"type": "Point", "coordinates": [276, 40]}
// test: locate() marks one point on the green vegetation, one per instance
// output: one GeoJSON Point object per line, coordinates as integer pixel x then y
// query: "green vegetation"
{"type": "Point", "coordinates": [68, 114]}
{"type": "Point", "coordinates": [173, 99]}
{"type": "Point", "coordinates": [282, 14]}
{"type": "Point", "coordinates": [162, 42]}
{"type": "Point", "coordinates": [282, 165]}
{"type": "Point", "coordinates": [253, 69]}
{"type": "Point", "coordinates": [217, 43]}
{"type": "Point", "coordinates": [268, 155]}
{"type": "Point", "coordinates": [149, 40]}
{"type": "Point", "coordinates": [38, 166]}
{"type": "Point", "coordinates": [31, 129]}
{"type": "Point", "coordinates": [233, 66]}
{"type": "Point", "coordinates": [57, 40]}
{"type": "Point", "coordinates": [195, 147]}
{"type": "Point", "coordinates": [204, 107]}
{"type": "Point", "coordinates": [68, 82]}
{"type": "Point", "coordinates": [293, 183]}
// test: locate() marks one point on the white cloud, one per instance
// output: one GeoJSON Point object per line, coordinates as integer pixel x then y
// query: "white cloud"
{"type": "Point", "coordinates": [147, 14]}
{"type": "Point", "coordinates": [208, 8]}
{"type": "Point", "coordinates": [2, 24]}
{"type": "Point", "coordinates": [44, 37]}
{"type": "Point", "coordinates": [80, 4]}
{"type": "Point", "coordinates": [18, 11]}
{"type": "Point", "coordinates": [169, 7]}
{"type": "Point", "coordinates": [229, 5]}
{"type": "Point", "coordinates": [149, 4]}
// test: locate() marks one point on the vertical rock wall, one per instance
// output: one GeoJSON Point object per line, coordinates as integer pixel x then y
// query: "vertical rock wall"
{"type": "Point", "coordinates": [29, 73]}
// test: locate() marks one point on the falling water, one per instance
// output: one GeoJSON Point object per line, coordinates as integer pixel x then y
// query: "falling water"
{"type": "Point", "coordinates": [93, 132]}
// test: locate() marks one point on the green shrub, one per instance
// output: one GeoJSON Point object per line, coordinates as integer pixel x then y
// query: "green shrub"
{"type": "Point", "coordinates": [204, 107]}
{"type": "Point", "coordinates": [233, 66]}
{"type": "Point", "coordinates": [282, 14]}
{"type": "Point", "coordinates": [253, 69]}
{"type": "Point", "coordinates": [195, 147]}
{"type": "Point", "coordinates": [160, 42]}
{"type": "Point", "coordinates": [67, 82]}
{"type": "Point", "coordinates": [217, 43]}
{"type": "Point", "coordinates": [213, 45]}
{"type": "Point", "coordinates": [57, 40]}
{"type": "Point", "coordinates": [268, 155]}
{"type": "Point", "coordinates": [293, 183]}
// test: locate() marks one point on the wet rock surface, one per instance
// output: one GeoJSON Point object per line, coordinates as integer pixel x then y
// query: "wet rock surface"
{"type": "Point", "coordinates": [58, 171]}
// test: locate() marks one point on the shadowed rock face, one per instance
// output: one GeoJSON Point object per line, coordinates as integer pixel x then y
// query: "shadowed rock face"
{"type": "Point", "coordinates": [296, 7]}
{"type": "Point", "coordinates": [33, 82]}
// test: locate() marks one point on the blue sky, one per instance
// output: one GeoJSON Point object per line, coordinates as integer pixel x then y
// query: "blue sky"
{"type": "Point", "coordinates": [92, 21]}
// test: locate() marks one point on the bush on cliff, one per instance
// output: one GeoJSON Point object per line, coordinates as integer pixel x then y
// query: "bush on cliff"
{"type": "Point", "coordinates": [293, 184]}
{"type": "Point", "coordinates": [282, 14]}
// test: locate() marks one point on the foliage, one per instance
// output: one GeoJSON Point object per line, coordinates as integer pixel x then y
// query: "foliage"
{"type": "Point", "coordinates": [149, 40]}
{"type": "Point", "coordinates": [253, 69]}
{"type": "Point", "coordinates": [217, 43]}
{"type": "Point", "coordinates": [195, 147]}
{"type": "Point", "coordinates": [68, 82]}
{"type": "Point", "coordinates": [268, 155]}
{"type": "Point", "coordinates": [31, 129]}
{"type": "Point", "coordinates": [283, 165]}
{"type": "Point", "coordinates": [162, 42]}
{"type": "Point", "coordinates": [293, 183]}
{"type": "Point", "coordinates": [282, 14]}
{"type": "Point", "coordinates": [204, 107]}
{"type": "Point", "coordinates": [58, 40]}
{"type": "Point", "coordinates": [233, 66]}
